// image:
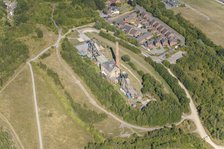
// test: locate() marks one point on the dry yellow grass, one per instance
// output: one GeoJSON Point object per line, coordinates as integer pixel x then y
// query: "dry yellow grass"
{"type": "Point", "coordinates": [16, 104]}
{"type": "Point", "coordinates": [207, 15]}
{"type": "Point", "coordinates": [59, 130]}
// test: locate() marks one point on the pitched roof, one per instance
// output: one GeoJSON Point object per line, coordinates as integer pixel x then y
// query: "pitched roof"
{"type": "Point", "coordinates": [127, 28]}
{"type": "Point", "coordinates": [144, 37]}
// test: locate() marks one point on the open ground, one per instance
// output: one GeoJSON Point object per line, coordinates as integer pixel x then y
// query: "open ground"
{"type": "Point", "coordinates": [208, 15]}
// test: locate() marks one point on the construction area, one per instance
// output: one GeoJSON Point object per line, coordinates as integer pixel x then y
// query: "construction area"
{"type": "Point", "coordinates": [111, 70]}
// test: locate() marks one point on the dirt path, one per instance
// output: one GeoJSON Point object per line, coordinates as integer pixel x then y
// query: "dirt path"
{"type": "Point", "coordinates": [194, 116]}
{"type": "Point", "coordinates": [198, 12]}
{"type": "Point", "coordinates": [5, 120]}
{"type": "Point", "coordinates": [36, 107]}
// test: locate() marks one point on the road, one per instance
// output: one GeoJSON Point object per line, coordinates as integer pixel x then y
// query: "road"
{"type": "Point", "coordinates": [194, 116]}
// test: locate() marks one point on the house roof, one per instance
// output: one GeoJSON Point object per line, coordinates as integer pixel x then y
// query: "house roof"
{"type": "Point", "coordinates": [144, 37]}
{"type": "Point", "coordinates": [127, 28]}
{"type": "Point", "coordinates": [153, 21]}
{"type": "Point", "coordinates": [131, 16]}
{"type": "Point", "coordinates": [168, 34]}
{"type": "Point", "coordinates": [156, 24]}
{"type": "Point", "coordinates": [160, 28]}
{"type": "Point", "coordinates": [134, 32]}
{"type": "Point", "coordinates": [164, 31]}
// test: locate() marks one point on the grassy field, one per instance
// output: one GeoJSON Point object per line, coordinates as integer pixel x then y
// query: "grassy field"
{"type": "Point", "coordinates": [58, 128]}
{"type": "Point", "coordinates": [16, 104]}
{"type": "Point", "coordinates": [207, 15]}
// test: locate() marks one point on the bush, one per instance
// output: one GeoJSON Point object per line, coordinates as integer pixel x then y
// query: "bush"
{"type": "Point", "coordinates": [39, 33]}
{"type": "Point", "coordinates": [126, 58]}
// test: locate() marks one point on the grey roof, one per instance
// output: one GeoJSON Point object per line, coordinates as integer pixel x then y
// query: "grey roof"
{"type": "Point", "coordinates": [144, 36]}
{"type": "Point", "coordinates": [101, 59]}
{"type": "Point", "coordinates": [108, 65]}
{"type": "Point", "coordinates": [127, 28]}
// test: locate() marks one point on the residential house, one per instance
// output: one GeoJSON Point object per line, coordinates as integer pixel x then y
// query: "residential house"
{"type": "Point", "coordinates": [160, 28]}
{"type": "Point", "coordinates": [131, 19]}
{"type": "Point", "coordinates": [157, 43]}
{"type": "Point", "coordinates": [143, 38]}
{"type": "Point", "coordinates": [126, 28]}
{"type": "Point", "coordinates": [134, 32]}
{"type": "Point", "coordinates": [172, 41]}
{"type": "Point", "coordinates": [164, 42]}
{"type": "Point", "coordinates": [164, 31]}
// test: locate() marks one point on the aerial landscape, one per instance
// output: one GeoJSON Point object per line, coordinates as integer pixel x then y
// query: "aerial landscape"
{"type": "Point", "coordinates": [111, 74]}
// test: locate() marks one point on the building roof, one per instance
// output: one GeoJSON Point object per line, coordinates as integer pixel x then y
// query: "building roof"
{"type": "Point", "coordinates": [144, 37]}
{"type": "Point", "coordinates": [164, 31]}
{"type": "Point", "coordinates": [101, 59]}
{"type": "Point", "coordinates": [108, 65]}
{"type": "Point", "coordinates": [160, 28]}
{"type": "Point", "coordinates": [156, 24]}
{"type": "Point", "coordinates": [126, 28]}
{"type": "Point", "coordinates": [153, 21]}
{"type": "Point", "coordinates": [131, 16]}
{"type": "Point", "coordinates": [134, 32]}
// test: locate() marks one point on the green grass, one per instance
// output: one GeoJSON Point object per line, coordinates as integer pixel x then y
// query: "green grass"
{"type": "Point", "coordinates": [5, 140]}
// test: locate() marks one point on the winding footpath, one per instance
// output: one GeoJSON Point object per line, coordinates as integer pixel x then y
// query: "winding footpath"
{"type": "Point", "coordinates": [194, 116]}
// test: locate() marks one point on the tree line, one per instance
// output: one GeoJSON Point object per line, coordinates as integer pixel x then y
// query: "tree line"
{"type": "Point", "coordinates": [164, 138]}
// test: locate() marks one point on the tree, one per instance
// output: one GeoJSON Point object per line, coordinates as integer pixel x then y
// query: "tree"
{"type": "Point", "coordinates": [39, 33]}
{"type": "Point", "coordinates": [126, 58]}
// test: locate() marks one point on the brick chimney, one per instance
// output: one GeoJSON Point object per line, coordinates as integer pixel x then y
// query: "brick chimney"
{"type": "Point", "coordinates": [117, 55]}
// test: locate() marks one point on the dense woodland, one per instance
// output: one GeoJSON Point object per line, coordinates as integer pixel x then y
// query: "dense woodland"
{"type": "Point", "coordinates": [12, 54]}
{"type": "Point", "coordinates": [201, 71]}
{"type": "Point", "coordinates": [168, 138]}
